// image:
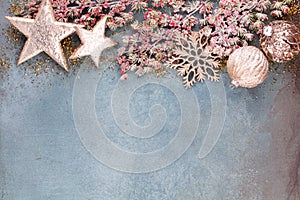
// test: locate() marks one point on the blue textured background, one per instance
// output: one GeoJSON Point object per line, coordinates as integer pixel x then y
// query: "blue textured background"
{"type": "Point", "coordinates": [42, 157]}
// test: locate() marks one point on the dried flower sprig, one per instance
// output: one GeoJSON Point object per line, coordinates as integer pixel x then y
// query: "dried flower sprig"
{"type": "Point", "coordinates": [234, 24]}
{"type": "Point", "coordinates": [145, 51]}
{"type": "Point", "coordinates": [280, 8]}
{"type": "Point", "coordinates": [120, 12]}
{"type": "Point", "coordinates": [87, 12]}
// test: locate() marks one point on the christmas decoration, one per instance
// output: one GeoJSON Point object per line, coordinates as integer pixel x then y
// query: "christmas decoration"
{"type": "Point", "coordinates": [233, 24]}
{"type": "Point", "coordinates": [145, 51]}
{"type": "Point", "coordinates": [93, 42]}
{"type": "Point", "coordinates": [188, 36]}
{"type": "Point", "coordinates": [280, 41]}
{"type": "Point", "coordinates": [247, 67]}
{"type": "Point", "coordinates": [192, 60]}
{"type": "Point", "coordinates": [44, 34]}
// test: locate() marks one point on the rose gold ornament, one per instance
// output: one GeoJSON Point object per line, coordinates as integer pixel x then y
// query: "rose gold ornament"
{"type": "Point", "coordinates": [247, 67]}
{"type": "Point", "coordinates": [280, 41]}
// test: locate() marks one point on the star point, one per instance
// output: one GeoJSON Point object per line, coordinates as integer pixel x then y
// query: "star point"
{"type": "Point", "coordinates": [94, 42]}
{"type": "Point", "coordinates": [44, 34]}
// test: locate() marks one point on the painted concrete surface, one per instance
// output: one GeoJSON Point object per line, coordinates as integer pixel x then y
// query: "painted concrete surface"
{"type": "Point", "coordinates": [60, 135]}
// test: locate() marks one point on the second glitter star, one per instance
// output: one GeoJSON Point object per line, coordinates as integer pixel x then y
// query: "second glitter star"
{"type": "Point", "coordinates": [93, 42]}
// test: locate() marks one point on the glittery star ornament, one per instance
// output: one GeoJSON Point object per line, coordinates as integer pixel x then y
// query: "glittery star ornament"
{"type": "Point", "coordinates": [44, 34]}
{"type": "Point", "coordinates": [93, 42]}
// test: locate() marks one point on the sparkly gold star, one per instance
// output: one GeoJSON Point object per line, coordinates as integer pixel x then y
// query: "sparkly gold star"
{"type": "Point", "coordinates": [93, 42]}
{"type": "Point", "coordinates": [44, 34]}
